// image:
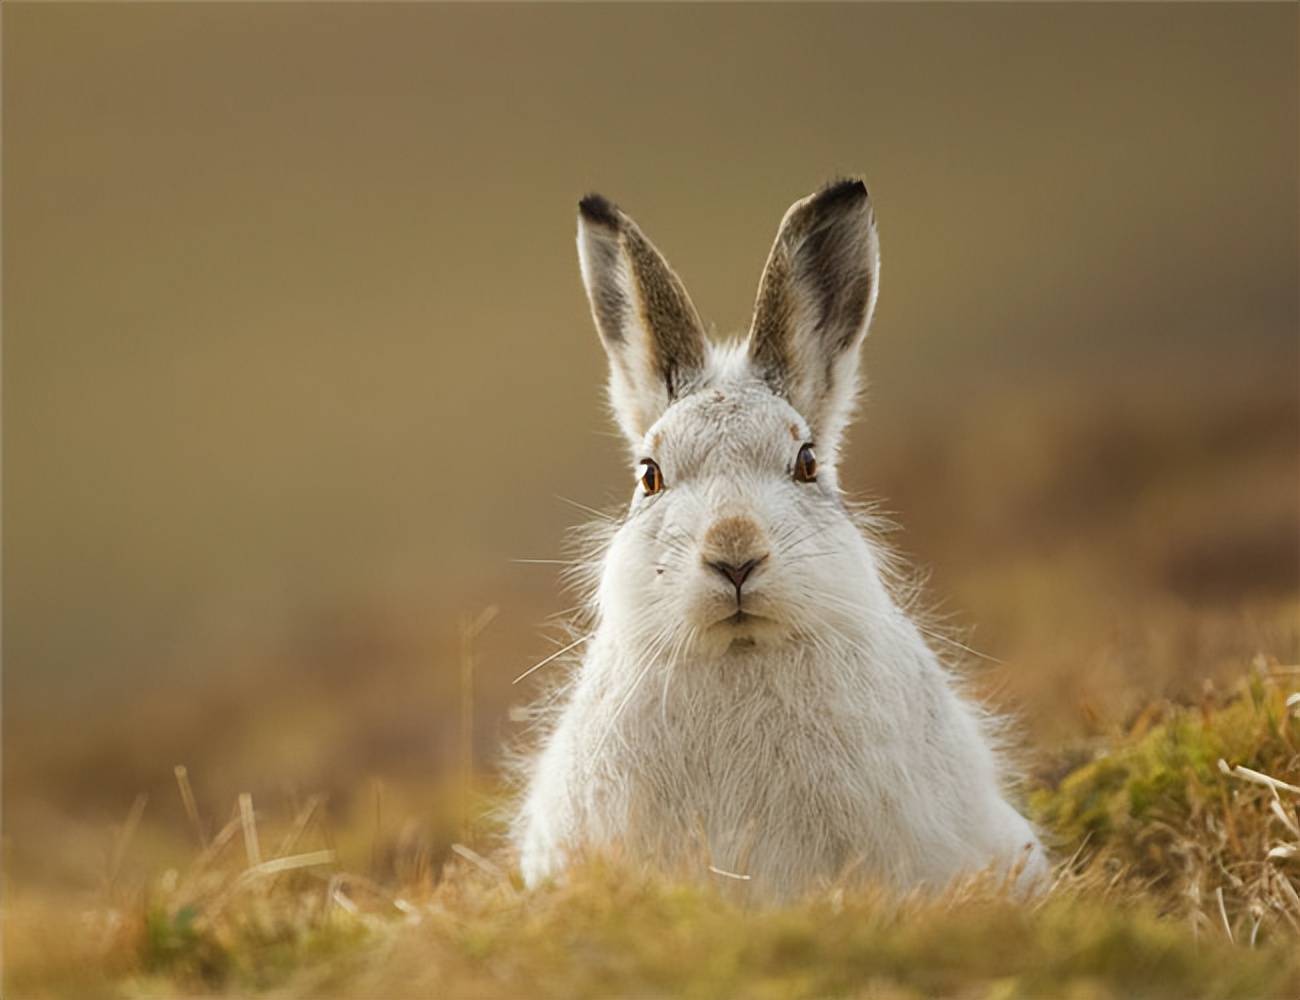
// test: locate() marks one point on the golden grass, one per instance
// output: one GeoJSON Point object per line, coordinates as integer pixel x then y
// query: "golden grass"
{"type": "Point", "coordinates": [1181, 871]}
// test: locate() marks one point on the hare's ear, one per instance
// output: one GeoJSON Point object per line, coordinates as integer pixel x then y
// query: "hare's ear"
{"type": "Point", "coordinates": [650, 330]}
{"type": "Point", "coordinates": [814, 304]}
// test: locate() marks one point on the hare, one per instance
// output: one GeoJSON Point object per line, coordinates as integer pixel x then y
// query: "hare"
{"type": "Point", "coordinates": [752, 698]}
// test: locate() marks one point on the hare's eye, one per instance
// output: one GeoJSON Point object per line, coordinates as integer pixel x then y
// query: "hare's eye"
{"type": "Point", "coordinates": [652, 480]}
{"type": "Point", "coordinates": [805, 465]}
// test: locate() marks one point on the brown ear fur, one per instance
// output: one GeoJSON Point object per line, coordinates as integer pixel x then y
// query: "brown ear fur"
{"type": "Point", "coordinates": [645, 318]}
{"type": "Point", "coordinates": [816, 297]}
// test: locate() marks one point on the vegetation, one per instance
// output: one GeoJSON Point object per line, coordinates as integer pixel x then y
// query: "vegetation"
{"type": "Point", "coordinates": [1180, 877]}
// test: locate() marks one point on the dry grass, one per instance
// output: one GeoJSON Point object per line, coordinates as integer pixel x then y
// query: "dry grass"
{"type": "Point", "coordinates": [1181, 878]}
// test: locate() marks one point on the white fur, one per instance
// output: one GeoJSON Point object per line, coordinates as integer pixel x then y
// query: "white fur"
{"type": "Point", "coordinates": [822, 737]}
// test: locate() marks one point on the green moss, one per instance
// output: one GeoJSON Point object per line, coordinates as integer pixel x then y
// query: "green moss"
{"type": "Point", "coordinates": [256, 947]}
{"type": "Point", "coordinates": [174, 942]}
{"type": "Point", "coordinates": [1166, 778]}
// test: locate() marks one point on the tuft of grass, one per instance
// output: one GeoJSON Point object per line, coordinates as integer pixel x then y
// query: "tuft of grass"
{"type": "Point", "coordinates": [1200, 803]}
{"type": "Point", "coordinates": [256, 947]}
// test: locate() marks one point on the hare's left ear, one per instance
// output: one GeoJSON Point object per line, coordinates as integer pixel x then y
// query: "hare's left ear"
{"type": "Point", "coordinates": [814, 304]}
{"type": "Point", "coordinates": [646, 321]}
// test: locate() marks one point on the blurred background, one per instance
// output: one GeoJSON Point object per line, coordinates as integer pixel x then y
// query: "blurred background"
{"type": "Point", "coordinates": [297, 360]}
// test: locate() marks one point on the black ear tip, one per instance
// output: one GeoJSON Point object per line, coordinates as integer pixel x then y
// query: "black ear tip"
{"type": "Point", "coordinates": [598, 209]}
{"type": "Point", "coordinates": [843, 192]}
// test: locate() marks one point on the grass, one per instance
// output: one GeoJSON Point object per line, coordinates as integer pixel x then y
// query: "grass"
{"type": "Point", "coordinates": [1180, 878]}
{"type": "Point", "coordinates": [1192, 804]}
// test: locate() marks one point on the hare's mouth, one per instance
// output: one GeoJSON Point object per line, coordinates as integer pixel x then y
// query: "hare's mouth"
{"type": "Point", "coordinates": [742, 629]}
{"type": "Point", "coordinates": [740, 618]}
{"type": "Point", "coordinates": [727, 621]}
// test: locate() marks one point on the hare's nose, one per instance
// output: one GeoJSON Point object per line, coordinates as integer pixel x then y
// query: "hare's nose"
{"type": "Point", "coordinates": [734, 547]}
{"type": "Point", "coordinates": [736, 574]}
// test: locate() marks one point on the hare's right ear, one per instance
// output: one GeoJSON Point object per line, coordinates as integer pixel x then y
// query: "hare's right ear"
{"type": "Point", "coordinates": [814, 305]}
{"type": "Point", "coordinates": [650, 330]}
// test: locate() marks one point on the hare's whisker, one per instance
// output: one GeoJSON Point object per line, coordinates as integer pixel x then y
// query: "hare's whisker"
{"type": "Point", "coordinates": [590, 510]}
{"type": "Point", "coordinates": [558, 653]}
{"type": "Point", "coordinates": [627, 698]}
{"type": "Point", "coordinates": [546, 562]}
{"type": "Point", "coordinates": [833, 602]}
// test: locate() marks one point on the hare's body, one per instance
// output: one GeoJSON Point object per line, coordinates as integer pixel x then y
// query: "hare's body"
{"type": "Point", "coordinates": [752, 699]}
{"type": "Point", "coordinates": [789, 768]}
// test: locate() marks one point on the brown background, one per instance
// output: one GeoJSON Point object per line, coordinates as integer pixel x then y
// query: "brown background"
{"type": "Point", "coordinates": [297, 357]}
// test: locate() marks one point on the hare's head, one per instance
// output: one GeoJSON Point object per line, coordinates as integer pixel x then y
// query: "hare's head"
{"type": "Point", "coordinates": [736, 533]}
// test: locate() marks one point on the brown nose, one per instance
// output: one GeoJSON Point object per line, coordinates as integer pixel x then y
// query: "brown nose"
{"type": "Point", "coordinates": [736, 574]}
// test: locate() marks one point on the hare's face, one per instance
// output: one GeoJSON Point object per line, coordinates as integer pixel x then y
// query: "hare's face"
{"type": "Point", "coordinates": [736, 534]}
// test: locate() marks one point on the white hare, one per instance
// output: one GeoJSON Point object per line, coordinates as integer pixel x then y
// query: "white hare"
{"type": "Point", "coordinates": [752, 697]}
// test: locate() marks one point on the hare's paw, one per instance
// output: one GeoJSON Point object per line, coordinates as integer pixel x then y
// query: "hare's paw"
{"type": "Point", "coordinates": [537, 867]}
{"type": "Point", "coordinates": [1023, 857]}
{"type": "Point", "coordinates": [540, 858]}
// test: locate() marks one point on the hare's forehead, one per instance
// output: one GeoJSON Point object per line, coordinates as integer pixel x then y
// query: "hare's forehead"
{"type": "Point", "coordinates": [739, 423]}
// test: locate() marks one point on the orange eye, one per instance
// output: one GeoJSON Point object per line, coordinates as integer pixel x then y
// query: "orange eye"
{"type": "Point", "coordinates": [805, 465]}
{"type": "Point", "coordinates": [652, 480]}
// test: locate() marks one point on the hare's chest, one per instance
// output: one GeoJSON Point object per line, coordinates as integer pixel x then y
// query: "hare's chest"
{"type": "Point", "coordinates": [748, 776]}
